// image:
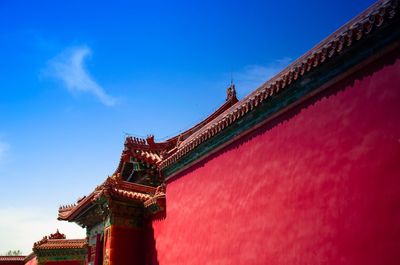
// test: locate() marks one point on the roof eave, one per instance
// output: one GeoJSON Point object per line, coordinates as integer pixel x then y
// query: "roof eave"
{"type": "Point", "coordinates": [302, 78]}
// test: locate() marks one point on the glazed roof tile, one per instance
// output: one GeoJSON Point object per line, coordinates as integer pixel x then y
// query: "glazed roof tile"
{"type": "Point", "coordinates": [114, 187]}
{"type": "Point", "coordinates": [59, 241]}
{"type": "Point", "coordinates": [151, 152]}
{"type": "Point", "coordinates": [167, 153]}
{"type": "Point", "coordinates": [61, 244]}
{"type": "Point", "coordinates": [353, 31]}
{"type": "Point", "coordinates": [137, 196]}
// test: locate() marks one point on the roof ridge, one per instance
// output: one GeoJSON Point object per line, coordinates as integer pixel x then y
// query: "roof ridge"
{"type": "Point", "coordinates": [351, 32]}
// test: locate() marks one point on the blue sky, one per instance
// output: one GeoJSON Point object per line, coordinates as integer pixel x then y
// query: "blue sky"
{"type": "Point", "coordinates": [75, 76]}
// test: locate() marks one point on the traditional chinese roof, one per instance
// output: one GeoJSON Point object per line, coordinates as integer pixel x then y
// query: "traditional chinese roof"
{"type": "Point", "coordinates": [29, 257]}
{"type": "Point", "coordinates": [347, 38]}
{"type": "Point", "coordinates": [114, 187]}
{"type": "Point", "coordinates": [62, 244]}
{"type": "Point", "coordinates": [153, 153]}
{"type": "Point", "coordinates": [58, 241]}
{"type": "Point", "coordinates": [370, 22]}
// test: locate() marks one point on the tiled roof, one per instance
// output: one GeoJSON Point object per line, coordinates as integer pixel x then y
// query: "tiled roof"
{"type": "Point", "coordinates": [61, 244]}
{"type": "Point", "coordinates": [359, 28]}
{"type": "Point", "coordinates": [29, 257]}
{"type": "Point", "coordinates": [164, 154]}
{"type": "Point", "coordinates": [66, 212]}
{"type": "Point", "coordinates": [11, 258]}
{"type": "Point", "coordinates": [151, 152]}
{"type": "Point", "coordinates": [59, 241]}
{"type": "Point", "coordinates": [114, 187]}
{"type": "Point", "coordinates": [137, 148]}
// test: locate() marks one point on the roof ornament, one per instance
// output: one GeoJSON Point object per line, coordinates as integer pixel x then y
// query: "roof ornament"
{"type": "Point", "coordinates": [150, 140]}
{"type": "Point", "coordinates": [179, 141]}
{"type": "Point", "coordinates": [57, 235]}
{"type": "Point", "coordinates": [134, 140]}
{"type": "Point", "coordinates": [231, 92]}
{"type": "Point", "coordinates": [45, 239]}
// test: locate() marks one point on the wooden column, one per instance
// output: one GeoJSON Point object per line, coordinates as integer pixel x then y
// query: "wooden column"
{"type": "Point", "coordinates": [124, 235]}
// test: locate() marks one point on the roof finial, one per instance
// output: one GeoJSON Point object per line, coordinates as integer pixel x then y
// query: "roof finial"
{"type": "Point", "coordinates": [150, 139]}
{"type": "Point", "coordinates": [231, 92]}
{"type": "Point", "coordinates": [57, 235]}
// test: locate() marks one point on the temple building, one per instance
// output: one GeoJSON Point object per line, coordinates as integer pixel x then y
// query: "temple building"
{"type": "Point", "coordinates": [303, 170]}
{"type": "Point", "coordinates": [54, 249]}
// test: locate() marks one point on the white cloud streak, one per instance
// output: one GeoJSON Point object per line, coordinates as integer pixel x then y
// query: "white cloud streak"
{"type": "Point", "coordinates": [69, 68]}
{"type": "Point", "coordinates": [20, 228]}
{"type": "Point", "coordinates": [252, 76]}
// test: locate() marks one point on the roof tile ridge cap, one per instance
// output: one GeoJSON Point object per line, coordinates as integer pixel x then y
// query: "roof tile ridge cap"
{"type": "Point", "coordinates": [70, 239]}
{"type": "Point", "coordinates": [235, 109]}
{"type": "Point", "coordinates": [231, 100]}
{"type": "Point", "coordinates": [79, 202]}
{"type": "Point", "coordinates": [209, 124]}
{"type": "Point", "coordinates": [198, 134]}
{"type": "Point", "coordinates": [276, 81]}
{"type": "Point", "coordinates": [76, 206]}
{"type": "Point", "coordinates": [362, 17]}
{"type": "Point", "coordinates": [108, 185]}
{"type": "Point", "coordinates": [347, 25]}
{"type": "Point", "coordinates": [123, 192]}
{"type": "Point", "coordinates": [131, 194]}
{"type": "Point", "coordinates": [147, 143]}
{"type": "Point", "coordinates": [44, 240]}
{"type": "Point", "coordinates": [127, 183]}
{"type": "Point", "coordinates": [120, 163]}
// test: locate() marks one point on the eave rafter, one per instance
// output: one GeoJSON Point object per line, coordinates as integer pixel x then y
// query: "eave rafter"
{"type": "Point", "coordinates": [90, 209]}
{"type": "Point", "coordinates": [153, 153]}
{"type": "Point", "coordinates": [370, 22]}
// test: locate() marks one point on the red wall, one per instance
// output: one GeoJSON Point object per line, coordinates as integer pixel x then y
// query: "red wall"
{"type": "Point", "coordinates": [32, 261]}
{"type": "Point", "coordinates": [321, 185]}
{"type": "Point", "coordinates": [125, 245]}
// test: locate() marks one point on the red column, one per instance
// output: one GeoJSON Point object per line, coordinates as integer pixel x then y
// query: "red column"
{"type": "Point", "coordinates": [124, 236]}
{"type": "Point", "coordinates": [98, 258]}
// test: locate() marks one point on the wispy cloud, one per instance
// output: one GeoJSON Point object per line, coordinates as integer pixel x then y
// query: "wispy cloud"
{"type": "Point", "coordinates": [252, 76]}
{"type": "Point", "coordinates": [20, 228]}
{"type": "Point", "coordinates": [69, 68]}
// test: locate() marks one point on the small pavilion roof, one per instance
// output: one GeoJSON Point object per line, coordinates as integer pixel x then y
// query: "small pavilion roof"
{"type": "Point", "coordinates": [164, 154]}
{"type": "Point", "coordinates": [113, 187]}
{"type": "Point", "coordinates": [59, 241]}
{"type": "Point", "coordinates": [153, 153]}
{"type": "Point", "coordinates": [62, 244]}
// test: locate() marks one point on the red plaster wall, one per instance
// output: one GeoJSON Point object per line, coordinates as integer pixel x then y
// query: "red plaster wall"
{"type": "Point", "coordinates": [321, 185]}
{"type": "Point", "coordinates": [126, 245]}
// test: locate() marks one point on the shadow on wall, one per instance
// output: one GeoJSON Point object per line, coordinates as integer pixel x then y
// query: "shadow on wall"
{"type": "Point", "coordinates": [150, 253]}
